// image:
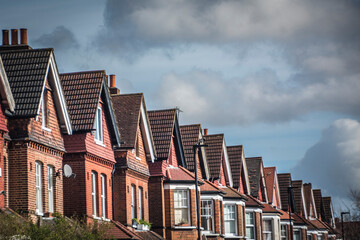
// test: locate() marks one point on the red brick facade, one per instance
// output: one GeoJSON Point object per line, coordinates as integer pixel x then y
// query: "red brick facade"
{"type": "Point", "coordinates": [3, 130]}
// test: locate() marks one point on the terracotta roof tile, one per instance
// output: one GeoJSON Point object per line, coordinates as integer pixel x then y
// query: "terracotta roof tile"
{"type": "Point", "coordinates": [232, 193]}
{"type": "Point", "coordinates": [82, 94]}
{"type": "Point", "coordinates": [318, 202]}
{"type": "Point", "coordinates": [179, 174]}
{"type": "Point", "coordinates": [127, 111]}
{"type": "Point", "coordinates": [269, 173]}
{"type": "Point", "coordinates": [253, 202]}
{"type": "Point", "coordinates": [26, 72]}
{"type": "Point", "coordinates": [327, 208]}
{"type": "Point", "coordinates": [210, 187]}
{"type": "Point", "coordinates": [119, 231]}
{"type": "Point", "coordinates": [149, 235]}
{"type": "Point", "coordinates": [270, 209]}
{"type": "Point", "coordinates": [284, 182]}
{"type": "Point", "coordinates": [235, 154]}
{"type": "Point", "coordinates": [298, 196]}
{"type": "Point", "coordinates": [190, 136]}
{"type": "Point", "coordinates": [162, 126]}
{"type": "Point", "coordinates": [214, 153]}
{"type": "Point", "coordinates": [254, 172]}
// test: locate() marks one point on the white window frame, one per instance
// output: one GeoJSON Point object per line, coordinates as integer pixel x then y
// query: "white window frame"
{"type": "Point", "coordinates": [180, 205]}
{"type": "Point", "coordinates": [250, 225]}
{"type": "Point", "coordinates": [93, 193]}
{"type": "Point", "coordinates": [297, 231]}
{"type": "Point", "coordinates": [140, 200]}
{"type": "Point", "coordinates": [268, 232]}
{"type": "Point", "coordinates": [208, 212]}
{"type": "Point", "coordinates": [103, 195]}
{"type": "Point", "coordinates": [99, 138]}
{"type": "Point", "coordinates": [43, 112]}
{"type": "Point", "coordinates": [227, 218]}
{"type": "Point", "coordinates": [38, 184]}
{"type": "Point", "coordinates": [282, 237]}
{"type": "Point", "coordinates": [133, 200]}
{"type": "Point", "coordinates": [50, 171]}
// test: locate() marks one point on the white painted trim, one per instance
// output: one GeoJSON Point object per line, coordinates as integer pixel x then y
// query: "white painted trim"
{"type": "Point", "coordinates": [263, 181]}
{"type": "Point", "coordinates": [313, 202]}
{"type": "Point", "coordinates": [185, 227]}
{"type": "Point", "coordinates": [206, 166]}
{"type": "Point", "coordinates": [211, 197]}
{"type": "Point", "coordinates": [303, 200]}
{"type": "Point", "coordinates": [147, 132]}
{"type": "Point", "coordinates": [243, 160]}
{"type": "Point", "coordinates": [6, 87]}
{"type": "Point", "coordinates": [179, 186]}
{"type": "Point", "coordinates": [227, 163]}
{"type": "Point", "coordinates": [239, 202]}
{"type": "Point", "coordinates": [258, 210]}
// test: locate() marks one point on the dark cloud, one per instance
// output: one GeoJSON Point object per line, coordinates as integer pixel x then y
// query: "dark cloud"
{"type": "Point", "coordinates": [61, 39]}
{"type": "Point", "coordinates": [333, 163]}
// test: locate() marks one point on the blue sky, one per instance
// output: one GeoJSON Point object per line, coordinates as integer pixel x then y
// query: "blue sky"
{"type": "Point", "coordinates": [275, 76]}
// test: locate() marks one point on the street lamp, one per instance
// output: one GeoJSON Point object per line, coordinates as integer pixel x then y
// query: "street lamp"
{"type": "Point", "coordinates": [342, 223]}
{"type": "Point", "coordinates": [199, 144]}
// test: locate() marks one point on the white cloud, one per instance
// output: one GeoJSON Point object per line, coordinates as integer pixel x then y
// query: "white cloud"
{"type": "Point", "coordinates": [333, 163]}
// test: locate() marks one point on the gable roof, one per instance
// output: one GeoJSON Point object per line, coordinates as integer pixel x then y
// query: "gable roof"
{"type": "Point", "coordinates": [164, 123]}
{"type": "Point", "coordinates": [190, 135]}
{"type": "Point", "coordinates": [209, 187]}
{"type": "Point", "coordinates": [328, 211]}
{"type": "Point", "coordinates": [256, 176]}
{"type": "Point", "coordinates": [6, 96]}
{"type": "Point", "coordinates": [231, 193]}
{"type": "Point", "coordinates": [299, 197]}
{"type": "Point", "coordinates": [27, 71]}
{"type": "Point", "coordinates": [235, 155]}
{"type": "Point", "coordinates": [318, 202]}
{"type": "Point", "coordinates": [130, 111]}
{"type": "Point", "coordinates": [83, 91]}
{"type": "Point", "coordinates": [309, 199]}
{"type": "Point", "coordinates": [284, 182]}
{"type": "Point", "coordinates": [272, 185]}
{"type": "Point", "coordinates": [215, 152]}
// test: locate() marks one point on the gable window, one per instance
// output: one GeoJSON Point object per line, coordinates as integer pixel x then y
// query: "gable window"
{"type": "Point", "coordinates": [133, 200]}
{"type": "Point", "coordinates": [283, 233]}
{"type": "Point", "coordinates": [230, 219]}
{"type": "Point", "coordinates": [38, 184]}
{"type": "Point", "coordinates": [207, 217]}
{"type": "Point", "coordinates": [94, 192]}
{"type": "Point", "coordinates": [45, 112]}
{"type": "Point", "coordinates": [181, 207]}
{"type": "Point", "coordinates": [267, 229]}
{"type": "Point", "coordinates": [50, 170]}
{"type": "Point", "coordinates": [103, 195]}
{"type": "Point", "coordinates": [98, 126]}
{"type": "Point", "coordinates": [140, 203]}
{"type": "Point", "coordinates": [250, 226]}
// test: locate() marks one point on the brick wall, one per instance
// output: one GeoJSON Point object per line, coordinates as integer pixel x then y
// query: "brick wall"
{"type": "Point", "coordinates": [304, 234]}
{"type": "Point", "coordinates": [258, 225]}
{"type": "Point", "coordinates": [172, 160]}
{"type": "Point", "coordinates": [217, 217]}
{"type": "Point", "coordinates": [156, 205]}
{"type": "Point", "coordinates": [2, 167]}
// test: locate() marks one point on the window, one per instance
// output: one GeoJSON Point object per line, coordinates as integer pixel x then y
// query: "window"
{"type": "Point", "coordinates": [309, 237]}
{"type": "Point", "coordinates": [283, 232]}
{"type": "Point", "coordinates": [320, 237]}
{"type": "Point", "coordinates": [297, 234]}
{"type": "Point", "coordinates": [267, 229]}
{"type": "Point", "coordinates": [45, 112]}
{"type": "Point", "coordinates": [133, 197]}
{"type": "Point", "coordinates": [103, 195]}
{"type": "Point", "coordinates": [140, 203]}
{"type": "Point", "coordinates": [207, 217]}
{"type": "Point", "coordinates": [50, 170]}
{"type": "Point", "coordinates": [93, 193]}
{"type": "Point", "coordinates": [181, 206]}
{"type": "Point", "coordinates": [250, 226]}
{"type": "Point", "coordinates": [38, 183]}
{"type": "Point", "coordinates": [98, 126]}
{"type": "Point", "coordinates": [230, 219]}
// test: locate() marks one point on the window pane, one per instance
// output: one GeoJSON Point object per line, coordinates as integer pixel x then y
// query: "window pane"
{"type": "Point", "coordinates": [267, 225]}
{"type": "Point", "coordinates": [133, 214]}
{"type": "Point", "coordinates": [94, 200]}
{"type": "Point", "coordinates": [50, 188]}
{"type": "Point", "coordinates": [140, 203]}
{"type": "Point", "coordinates": [250, 232]}
{"type": "Point", "coordinates": [249, 218]}
{"type": "Point", "coordinates": [181, 206]}
{"type": "Point", "coordinates": [103, 195]}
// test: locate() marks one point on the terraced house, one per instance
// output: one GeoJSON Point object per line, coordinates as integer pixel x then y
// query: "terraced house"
{"type": "Point", "coordinates": [36, 128]}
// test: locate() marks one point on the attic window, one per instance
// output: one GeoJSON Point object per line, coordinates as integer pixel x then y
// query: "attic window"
{"type": "Point", "coordinates": [98, 126]}
{"type": "Point", "coordinates": [45, 112]}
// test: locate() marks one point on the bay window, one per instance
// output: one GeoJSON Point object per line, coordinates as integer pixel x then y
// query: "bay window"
{"type": "Point", "coordinates": [297, 234]}
{"type": "Point", "coordinates": [207, 215]}
{"type": "Point", "coordinates": [181, 207]}
{"type": "Point", "coordinates": [283, 232]}
{"type": "Point", "coordinates": [267, 229]}
{"type": "Point", "coordinates": [230, 219]}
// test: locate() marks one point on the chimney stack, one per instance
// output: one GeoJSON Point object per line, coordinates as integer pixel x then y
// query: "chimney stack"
{"type": "Point", "coordinates": [5, 33]}
{"type": "Point", "coordinates": [14, 37]}
{"type": "Point", "coordinates": [206, 131]}
{"type": "Point", "coordinates": [113, 89]}
{"type": "Point", "coordinates": [23, 36]}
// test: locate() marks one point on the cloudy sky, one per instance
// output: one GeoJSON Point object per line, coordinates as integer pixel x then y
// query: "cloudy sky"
{"type": "Point", "coordinates": [280, 77]}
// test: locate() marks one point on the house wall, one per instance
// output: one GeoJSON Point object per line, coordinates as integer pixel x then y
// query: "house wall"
{"type": "Point", "coordinates": [171, 232]}
{"type": "Point", "coordinates": [303, 234]}
{"type": "Point", "coordinates": [157, 204]}
{"type": "Point", "coordinates": [173, 160]}
{"type": "Point", "coordinates": [3, 130]}
{"type": "Point", "coordinates": [33, 143]}
{"type": "Point", "coordinates": [258, 225]}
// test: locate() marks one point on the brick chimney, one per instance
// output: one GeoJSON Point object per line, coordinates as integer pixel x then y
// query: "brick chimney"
{"type": "Point", "coordinates": [113, 89]}
{"type": "Point", "coordinates": [14, 37]}
{"type": "Point", "coordinates": [23, 36]}
{"type": "Point", "coordinates": [206, 131]}
{"type": "Point", "coordinates": [5, 41]}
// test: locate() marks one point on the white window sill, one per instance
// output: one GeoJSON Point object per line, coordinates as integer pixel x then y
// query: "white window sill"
{"type": "Point", "coordinates": [184, 227]}
{"type": "Point", "coordinates": [97, 218]}
{"type": "Point", "coordinates": [105, 219]}
{"type": "Point", "coordinates": [46, 129]}
{"type": "Point", "coordinates": [101, 143]}
{"type": "Point", "coordinates": [233, 236]}
{"type": "Point", "coordinates": [39, 213]}
{"type": "Point", "coordinates": [210, 234]}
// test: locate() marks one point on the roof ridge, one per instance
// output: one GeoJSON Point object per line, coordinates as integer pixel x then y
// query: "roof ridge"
{"type": "Point", "coordinates": [191, 125]}
{"type": "Point", "coordinates": [163, 110]}
{"type": "Point", "coordinates": [235, 146]}
{"type": "Point", "coordinates": [83, 72]}
{"type": "Point", "coordinates": [127, 94]}
{"type": "Point", "coordinates": [26, 50]}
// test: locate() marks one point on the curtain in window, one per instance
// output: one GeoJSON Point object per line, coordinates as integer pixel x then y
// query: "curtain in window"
{"type": "Point", "coordinates": [230, 219]}
{"type": "Point", "coordinates": [181, 207]}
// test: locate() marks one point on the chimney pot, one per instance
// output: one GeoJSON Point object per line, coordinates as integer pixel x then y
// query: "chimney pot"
{"type": "Point", "coordinates": [206, 131]}
{"type": "Point", "coordinates": [112, 81]}
{"type": "Point", "coordinates": [23, 36]}
{"type": "Point", "coordinates": [14, 37]}
{"type": "Point", "coordinates": [5, 37]}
